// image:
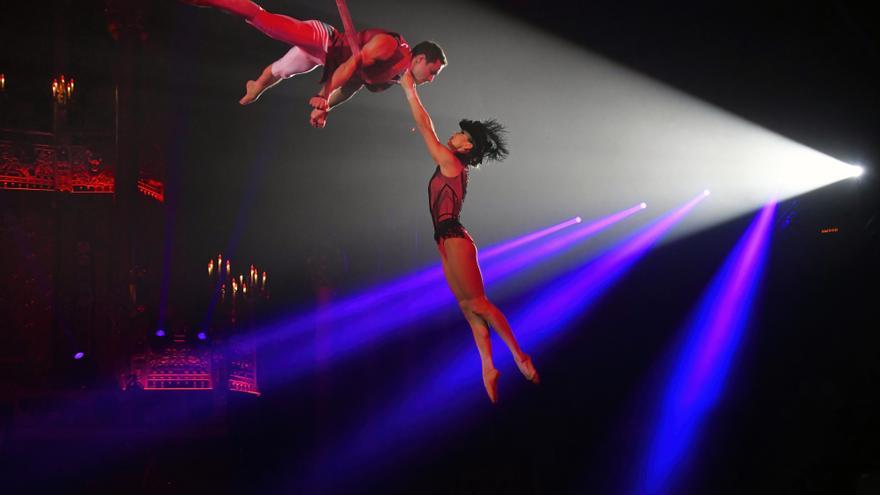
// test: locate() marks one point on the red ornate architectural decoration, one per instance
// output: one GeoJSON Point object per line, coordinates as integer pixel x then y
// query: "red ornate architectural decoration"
{"type": "Point", "coordinates": [178, 367]}
{"type": "Point", "coordinates": [27, 166]}
{"type": "Point", "coordinates": [152, 188]}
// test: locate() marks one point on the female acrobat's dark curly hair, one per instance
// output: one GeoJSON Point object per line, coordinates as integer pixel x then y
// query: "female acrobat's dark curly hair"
{"type": "Point", "coordinates": [488, 138]}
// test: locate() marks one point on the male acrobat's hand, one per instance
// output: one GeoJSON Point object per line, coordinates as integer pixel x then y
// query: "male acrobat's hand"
{"type": "Point", "coordinates": [318, 118]}
{"type": "Point", "coordinates": [319, 103]}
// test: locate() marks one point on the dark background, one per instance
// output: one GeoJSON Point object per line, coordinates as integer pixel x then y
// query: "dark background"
{"type": "Point", "coordinates": [799, 412]}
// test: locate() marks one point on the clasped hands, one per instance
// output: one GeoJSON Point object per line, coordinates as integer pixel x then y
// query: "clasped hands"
{"type": "Point", "coordinates": [320, 107]}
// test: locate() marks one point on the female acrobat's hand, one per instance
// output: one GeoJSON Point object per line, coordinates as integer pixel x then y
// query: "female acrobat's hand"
{"type": "Point", "coordinates": [407, 81]}
{"type": "Point", "coordinates": [318, 118]}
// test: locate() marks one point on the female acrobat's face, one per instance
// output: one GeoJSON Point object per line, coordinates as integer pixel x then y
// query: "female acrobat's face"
{"type": "Point", "coordinates": [460, 142]}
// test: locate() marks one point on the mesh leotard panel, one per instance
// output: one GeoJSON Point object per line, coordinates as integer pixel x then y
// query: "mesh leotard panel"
{"type": "Point", "coordinates": [445, 199]}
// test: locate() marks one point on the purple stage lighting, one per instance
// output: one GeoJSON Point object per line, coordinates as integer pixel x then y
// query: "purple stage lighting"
{"type": "Point", "coordinates": [451, 382]}
{"type": "Point", "coordinates": [643, 205]}
{"type": "Point", "coordinates": [574, 293]}
{"type": "Point", "coordinates": [702, 361]}
{"type": "Point", "coordinates": [507, 266]}
{"type": "Point", "coordinates": [79, 355]}
{"type": "Point", "coordinates": [492, 252]}
{"type": "Point", "coordinates": [350, 335]}
{"type": "Point", "coordinates": [430, 278]}
{"type": "Point", "coordinates": [160, 333]}
{"type": "Point", "coordinates": [202, 336]}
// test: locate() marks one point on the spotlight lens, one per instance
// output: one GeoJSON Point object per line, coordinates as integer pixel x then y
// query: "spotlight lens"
{"type": "Point", "coordinates": [577, 219]}
{"type": "Point", "coordinates": [160, 333]}
{"type": "Point", "coordinates": [706, 192]}
{"type": "Point", "coordinates": [79, 355]}
{"type": "Point", "coordinates": [202, 336]}
{"type": "Point", "coordinates": [643, 205]}
{"type": "Point", "coordinates": [857, 171]}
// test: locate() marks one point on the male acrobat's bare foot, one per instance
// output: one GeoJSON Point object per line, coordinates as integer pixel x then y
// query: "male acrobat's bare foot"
{"type": "Point", "coordinates": [253, 90]}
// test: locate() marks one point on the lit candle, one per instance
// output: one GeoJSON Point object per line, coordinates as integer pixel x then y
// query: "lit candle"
{"type": "Point", "coordinates": [228, 268]}
{"type": "Point", "coordinates": [234, 294]}
{"type": "Point", "coordinates": [264, 280]}
{"type": "Point", "coordinates": [210, 267]}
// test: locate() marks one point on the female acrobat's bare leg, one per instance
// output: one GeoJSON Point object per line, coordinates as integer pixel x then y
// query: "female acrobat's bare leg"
{"type": "Point", "coordinates": [464, 278]}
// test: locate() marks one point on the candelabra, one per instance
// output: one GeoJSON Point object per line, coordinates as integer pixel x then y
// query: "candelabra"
{"type": "Point", "coordinates": [189, 364]}
{"type": "Point", "coordinates": [62, 90]}
{"type": "Point", "coordinates": [239, 298]}
{"type": "Point", "coordinates": [237, 290]}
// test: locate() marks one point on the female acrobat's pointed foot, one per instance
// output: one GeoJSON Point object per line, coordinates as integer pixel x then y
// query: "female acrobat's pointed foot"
{"type": "Point", "coordinates": [490, 381]}
{"type": "Point", "coordinates": [527, 368]}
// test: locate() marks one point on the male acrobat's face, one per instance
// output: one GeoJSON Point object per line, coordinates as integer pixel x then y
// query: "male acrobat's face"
{"type": "Point", "coordinates": [424, 71]}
